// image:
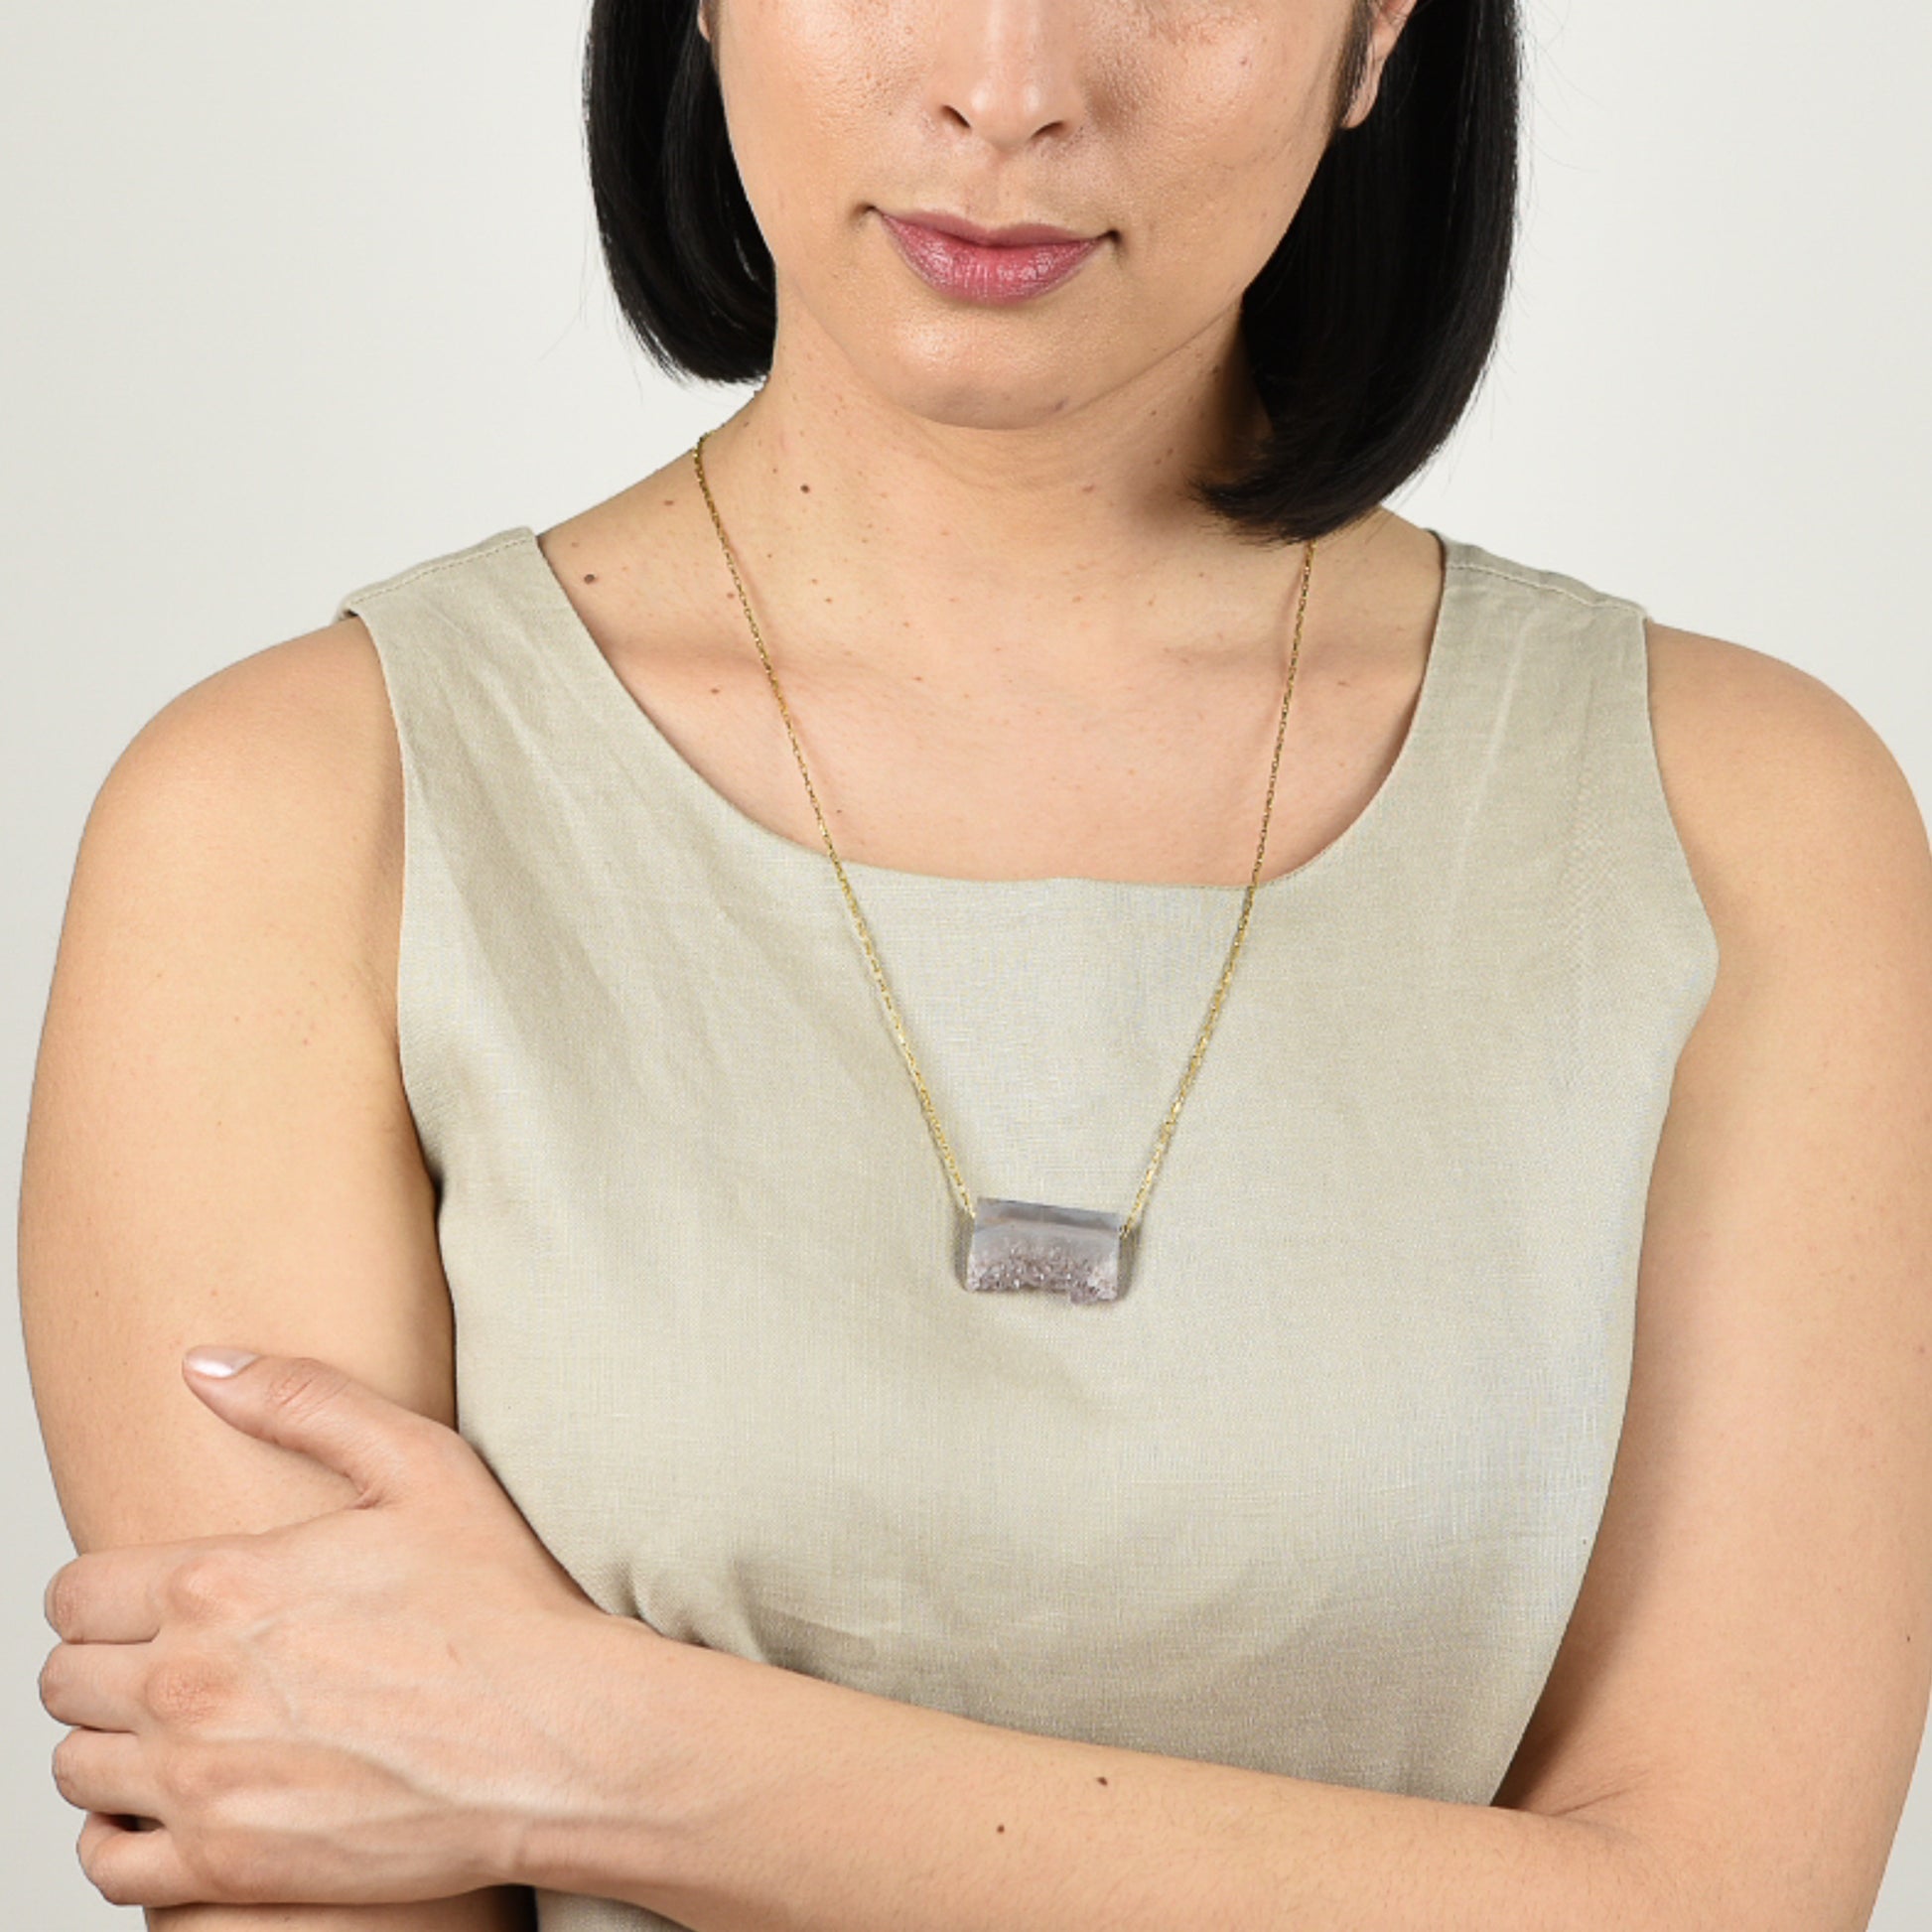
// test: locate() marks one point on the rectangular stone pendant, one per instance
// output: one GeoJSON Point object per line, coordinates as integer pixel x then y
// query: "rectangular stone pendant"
{"type": "Point", "coordinates": [1070, 1251]}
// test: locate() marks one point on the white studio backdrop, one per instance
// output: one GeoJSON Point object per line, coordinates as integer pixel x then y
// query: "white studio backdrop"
{"type": "Point", "coordinates": [294, 297]}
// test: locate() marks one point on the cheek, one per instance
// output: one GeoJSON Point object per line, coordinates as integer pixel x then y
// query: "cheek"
{"type": "Point", "coordinates": [1218, 178]}
{"type": "Point", "coordinates": [1216, 111]}
{"type": "Point", "coordinates": [806, 102]}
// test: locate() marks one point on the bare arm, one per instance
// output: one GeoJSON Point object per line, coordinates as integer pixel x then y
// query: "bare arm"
{"type": "Point", "coordinates": [219, 1148]}
{"type": "Point", "coordinates": [1728, 1737]}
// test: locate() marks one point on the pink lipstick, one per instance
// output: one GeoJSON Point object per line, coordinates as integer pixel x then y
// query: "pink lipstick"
{"type": "Point", "coordinates": [997, 265]}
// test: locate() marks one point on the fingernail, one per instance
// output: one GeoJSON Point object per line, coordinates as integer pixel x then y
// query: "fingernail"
{"type": "Point", "coordinates": [218, 1361]}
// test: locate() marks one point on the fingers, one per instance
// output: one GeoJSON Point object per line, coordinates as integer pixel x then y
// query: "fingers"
{"type": "Point", "coordinates": [135, 1868]}
{"type": "Point", "coordinates": [100, 1685]}
{"type": "Point", "coordinates": [109, 1595]}
{"type": "Point", "coordinates": [106, 1771]}
{"type": "Point", "coordinates": [322, 1411]}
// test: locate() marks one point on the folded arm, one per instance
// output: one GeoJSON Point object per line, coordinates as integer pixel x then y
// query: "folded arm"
{"type": "Point", "coordinates": [218, 1146]}
{"type": "Point", "coordinates": [1729, 1729]}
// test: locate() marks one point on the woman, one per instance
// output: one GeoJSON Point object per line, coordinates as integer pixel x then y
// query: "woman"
{"type": "Point", "coordinates": [967, 1470]}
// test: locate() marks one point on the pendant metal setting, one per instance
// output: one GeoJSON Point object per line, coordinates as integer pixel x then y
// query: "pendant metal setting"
{"type": "Point", "coordinates": [1070, 1251]}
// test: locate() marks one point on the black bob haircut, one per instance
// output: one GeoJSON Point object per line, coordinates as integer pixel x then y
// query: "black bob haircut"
{"type": "Point", "coordinates": [1368, 330]}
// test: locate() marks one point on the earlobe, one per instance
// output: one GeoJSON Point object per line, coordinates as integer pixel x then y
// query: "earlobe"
{"type": "Point", "coordinates": [1365, 96]}
{"type": "Point", "coordinates": [1393, 16]}
{"type": "Point", "coordinates": [1379, 24]}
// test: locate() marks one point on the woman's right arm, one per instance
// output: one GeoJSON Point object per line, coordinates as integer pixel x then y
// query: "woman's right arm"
{"type": "Point", "coordinates": [218, 1146]}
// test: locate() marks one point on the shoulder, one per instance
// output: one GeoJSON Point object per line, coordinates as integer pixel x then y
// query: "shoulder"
{"type": "Point", "coordinates": [315, 697]}
{"type": "Point", "coordinates": [268, 794]}
{"type": "Point", "coordinates": [1788, 801]}
{"type": "Point", "coordinates": [1764, 1562]}
{"type": "Point", "coordinates": [219, 1143]}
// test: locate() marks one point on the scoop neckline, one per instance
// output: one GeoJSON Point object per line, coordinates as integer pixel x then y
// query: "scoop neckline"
{"type": "Point", "coordinates": [580, 657]}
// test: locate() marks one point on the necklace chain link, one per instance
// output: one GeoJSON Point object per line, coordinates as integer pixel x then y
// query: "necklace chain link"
{"type": "Point", "coordinates": [959, 1186]}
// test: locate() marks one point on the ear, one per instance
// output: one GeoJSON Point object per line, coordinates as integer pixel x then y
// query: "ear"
{"type": "Point", "coordinates": [1386, 20]}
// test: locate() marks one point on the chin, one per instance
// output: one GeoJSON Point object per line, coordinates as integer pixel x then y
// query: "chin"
{"type": "Point", "coordinates": [968, 383]}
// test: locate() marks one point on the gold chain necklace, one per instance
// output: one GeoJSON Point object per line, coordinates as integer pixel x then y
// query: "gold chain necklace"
{"type": "Point", "coordinates": [1073, 1251]}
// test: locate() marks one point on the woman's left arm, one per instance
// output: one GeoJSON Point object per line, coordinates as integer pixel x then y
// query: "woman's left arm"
{"type": "Point", "coordinates": [1727, 1734]}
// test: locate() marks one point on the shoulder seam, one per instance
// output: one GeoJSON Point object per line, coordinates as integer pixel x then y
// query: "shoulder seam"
{"type": "Point", "coordinates": [385, 585]}
{"type": "Point", "coordinates": [1600, 601]}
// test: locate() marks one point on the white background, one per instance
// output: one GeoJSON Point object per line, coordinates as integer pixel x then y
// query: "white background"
{"type": "Point", "coordinates": [294, 297]}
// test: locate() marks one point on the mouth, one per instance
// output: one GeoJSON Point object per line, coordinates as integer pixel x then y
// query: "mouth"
{"type": "Point", "coordinates": [989, 265]}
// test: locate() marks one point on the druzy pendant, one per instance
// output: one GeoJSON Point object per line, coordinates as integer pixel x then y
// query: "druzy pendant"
{"type": "Point", "coordinates": [1070, 1251]}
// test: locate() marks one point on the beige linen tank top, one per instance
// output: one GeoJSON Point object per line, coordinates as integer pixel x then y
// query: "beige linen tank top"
{"type": "Point", "coordinates": [1316, 1494]}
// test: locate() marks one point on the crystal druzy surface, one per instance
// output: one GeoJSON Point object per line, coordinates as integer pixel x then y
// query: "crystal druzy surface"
{"type": "Point", "coordinates": [1070, 1251]}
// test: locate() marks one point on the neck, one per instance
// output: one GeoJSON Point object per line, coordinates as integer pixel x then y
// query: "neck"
{"type": "Point", "coordinates": [1066, 547]}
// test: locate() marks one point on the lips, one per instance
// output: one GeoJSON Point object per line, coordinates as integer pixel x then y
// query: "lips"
{"type": "Point", "coordinates": [1019, 236]}
{"type": "Point", "coordinates": [998, 265]}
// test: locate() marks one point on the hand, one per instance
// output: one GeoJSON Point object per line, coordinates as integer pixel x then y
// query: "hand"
{"type": "Point", "coordinates": [371, 1707]}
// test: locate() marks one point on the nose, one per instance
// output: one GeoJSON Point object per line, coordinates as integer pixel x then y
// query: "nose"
{"type": "Point", "coordinates": [1010, 70]}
